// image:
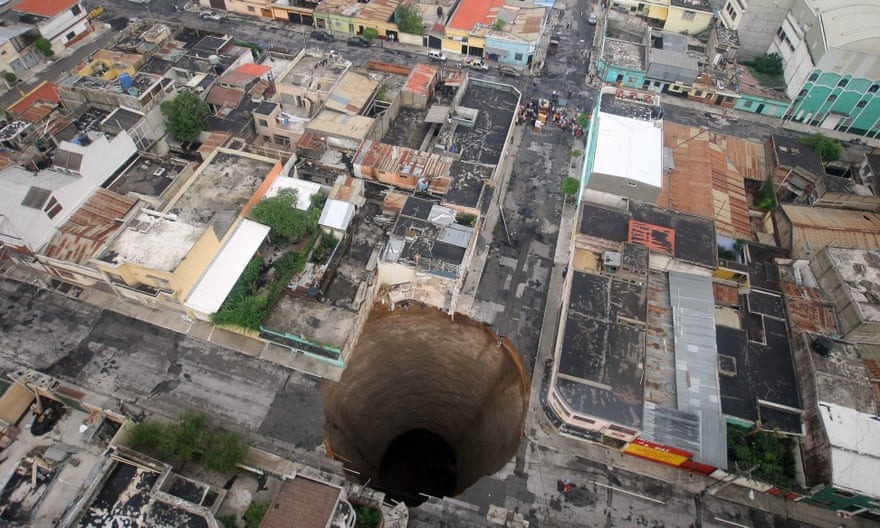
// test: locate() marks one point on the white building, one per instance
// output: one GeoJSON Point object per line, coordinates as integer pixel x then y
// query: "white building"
{"type": "Point", "coordinates": [61, 22]}
{"type": "Point", "coordinates": [756, 23]}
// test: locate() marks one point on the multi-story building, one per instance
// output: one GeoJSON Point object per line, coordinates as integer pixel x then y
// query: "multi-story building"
{"type": "Point", "coordinates": [831, 57]}
{"type": "Point", "coordinates": [676, 16]}
{"type": "Point", "coordinates": [756, 22]}
{"type": "Point", "coordinates": [61, 22]}
{"type": "Point", "coordinates": [16, 53]}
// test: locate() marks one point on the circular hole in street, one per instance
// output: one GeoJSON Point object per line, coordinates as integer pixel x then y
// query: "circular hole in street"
{"type": "Point", "coordinates": [427, 405]}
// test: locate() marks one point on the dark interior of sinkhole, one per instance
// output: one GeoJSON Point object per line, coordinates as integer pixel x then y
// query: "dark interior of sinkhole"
{"type": "Point", "coordinates": [427, 405]}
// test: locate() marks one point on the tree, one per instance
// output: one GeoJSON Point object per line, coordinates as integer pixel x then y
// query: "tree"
{"type": "Point", "coordinates": [827, 149]}
{"type": "Point", "coordinates": [186, 115]}
{"type": "Point", "coordinates": [255, 513]}
{"type": "Point", "coordinates": [370, 34]}
{"type": "Point", "coordinates": [570, 187]}
{"type": "Point", "coordinates": [288, 223]}
{"type": "Point", "coordinates": [224, 452]}
{"type": "Point", "coordinates": [768, 64]}
{"type": "Point", "coordinates": [44, 47]}
{"type": "Point", "coordinates": [408, 19]}
{"type": "Point", "coordinates": [499, 24]}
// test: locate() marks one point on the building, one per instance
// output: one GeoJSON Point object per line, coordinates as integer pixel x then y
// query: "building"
{"type": "Point", "coordinates": [189, 254]}
{"type": "Point", "coordinates": [832, 65]}
{"type": "Point", "coordinates": [623, 57]}
{"type": "Point", "coordinates": [61, 22]}
{"type": "Point", "coordinates": [850, 278]}
{"type": "Point", "coordinates": [756, 22]}
{"type": "Point", "coordinates": [625, 146]}
{"type": "Point", "coordinates": [690, 17]}
{"type": "Point", "coordinates": [805, 231]}
{"type": "Point", "coordinates": [37, 202]}
{"type": "Point", "coordinates": [304, 502]}
{"type": "Point", "coordinates": [16, 53]}
{"type": "Point", "coordinates": [800, 177]}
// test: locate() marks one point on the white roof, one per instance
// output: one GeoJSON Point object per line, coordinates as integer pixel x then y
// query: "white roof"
{"type": "Point", "coordinates": [850, 25]}
{"type": "Point", "coordinates": [304, 190]}
{"type": "Point", "coordinates": [336, 215]}
{"type": "Point", "coordinates": [855, 451]}
{"type": "Point", "coordinates": [629, 148]}
{"type": "Point", "coordinates": [218, 280]}
{"type": "Point", "coordinates": [31, 226]}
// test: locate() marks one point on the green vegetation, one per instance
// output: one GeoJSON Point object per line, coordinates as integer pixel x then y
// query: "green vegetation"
{"type": "Point", "coordinates": [44, 47]}
{"type": "Point", "coordinates": [367, 517]}
{"type": "Point", "coordinates": [499, 24]}
{"type": "Point", "coordinates": [189, 438]}
{"type": "Point", "coordinates": [576, 153]}
{"type": "Point", "coordinates": [255, 513]}
{"type": "Point", "coordinates": [408, 19]}
{"type": "Point", "coordinates": [322, 250]}
{"type": "Point", "coordinates": [186, 115]}
{"type": "Point", "coordinates": [584, 120]}
{"type": "Point", "coordinates": [827, 149]}
{"type": "Point", "coordinates": [771, 452]}
{"type": "Point", "coordinates": [288, 223]}
{"type": "Point", "coordinates": [382, 94]}
{"type": "Point", "coordinates": [227, 521]}
{"type": "Point", "coordinates": [570, 188]}
{"type": "Point", "coordinates": [10, 77]}
{"type": "Point", "coordinates": [370, 34]}
{"type": "Point", "coordinates": [767, 69]}
{"type": "Point", "coordinates": [466, 219]}
{"type": "Point", "coordinates": [765, 198]}
{"type": "Point", "coordinates": [244, 306]}
{"type": "Point", "coordinates": [768, 64]}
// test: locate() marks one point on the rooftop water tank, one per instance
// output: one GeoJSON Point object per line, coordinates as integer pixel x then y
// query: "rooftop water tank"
{"type": "Point", "coordinates": [125, 81]}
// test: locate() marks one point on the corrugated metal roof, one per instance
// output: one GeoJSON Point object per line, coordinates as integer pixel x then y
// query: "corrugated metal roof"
{"type": "Point", "coordinates": [336, 215]}
{"type": "Point", "coordinates": [89, 228]}
{"type": "Point", "coordinates": [705, 181]}
{"type": "Point", "coordinates": [696, 362]}
{"type": "Point", "coordinates": [351, 94]}
{"type": "Point", "coordinates": [421, 80]}
{"type": "Point", "coordinates": [815, 228]}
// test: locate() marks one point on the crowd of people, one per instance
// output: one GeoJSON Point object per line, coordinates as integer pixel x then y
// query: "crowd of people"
{"type": "Point", "coordinates": [554, 112]}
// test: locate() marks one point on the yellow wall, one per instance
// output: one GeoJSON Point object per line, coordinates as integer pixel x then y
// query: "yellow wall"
{"type": "Point", "coordinates": [8, 55]}
{"type": "Point", "coordinates": [381, 27]}
{"type": "Point", "coordinates": [196, 262]}
{"type": "Point", "coordinates": [676, 23]}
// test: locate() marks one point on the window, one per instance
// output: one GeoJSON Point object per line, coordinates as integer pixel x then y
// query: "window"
{"type": "Point", "coordinates": [780, 33]}
{"type": "Point", "coordinates": [55, 210]}
{"type": "Point", "coordinates": [731, 11]}
{"type": "Point", "coordinates": [861, 104]}
{"type": "Point", "coordinates": [802, 93]}
{"type": "Point", "coordinates": [747, 104]}
{"type": "Point", "coordinates": [70, 35]}
{"type": "Point", "coordinates": [813, 77]}
{"type": "Point", "coordinates": [688, 15]}
{"type": "Point", "coordinates": [874, 88]}
{"type": "Point", "coordinates": [518, 57]}
{"type": "Point", "coordinates": [262, 122]}
{"type": "Point", "coordinates": [843, 82]}
{"type": "Point", "coordinates": [76, 10]}
{"type": "Point", "coordinates": [832, 98]}
{"type": "Point", "coordinates": [698, 93]}
{"type": "Point", "coordinates": [251, 9]}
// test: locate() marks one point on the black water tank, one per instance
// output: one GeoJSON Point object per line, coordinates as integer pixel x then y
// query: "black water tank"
{"type": "Point", "coordinates": [823, 345]}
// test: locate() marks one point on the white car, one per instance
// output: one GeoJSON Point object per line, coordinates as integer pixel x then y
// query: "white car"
{"type": "Point", "coordinates": [436, 55]}
{"type": "Point", "coordinates": [479, 65]}
{"type": "Point", "coordinates": [593, 19]}
{"type": "Point", "coordinates": [210, 15]}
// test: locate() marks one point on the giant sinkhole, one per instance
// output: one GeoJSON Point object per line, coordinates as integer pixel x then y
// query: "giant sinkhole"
{"type": "Point", "coordinates": [427, 405]}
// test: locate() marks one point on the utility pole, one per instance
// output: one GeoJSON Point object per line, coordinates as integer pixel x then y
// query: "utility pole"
{"type": "Point", "coordinates": [712, 489]}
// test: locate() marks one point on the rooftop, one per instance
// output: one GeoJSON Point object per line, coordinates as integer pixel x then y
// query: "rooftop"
{"type": "Point", "coordinates": [706, 166]}
{"type": "Point", "coordinates": [629, 148]}
{"type": "Point", "coordinates": [45, 8]}
{"type": "Point", "coordinates": [473, 12]}
{"type": "Point", "coordinates": [696, 5]}
{"type": "Point", "coordinates": [147, 177]}
{"type": "Point", "coordinates": [225, 182]}
{"type": "Point", "coordinates": [303, 502]}
{"type": "Point", "coordinates": [855, 454]}
{"type": "Point", "coordinates": [791, 153]}
{"type": "Point", "coordinates": [485, 141]}
{"type": "Point", "coordinates": [38, 103]}
{"type": "Point", "coordinates": [154, 242]}
{"type": "Point", "coordinates": [859, 269]}
{"type": "Point", "coordinates": [78, 239]}
{"type": "Point", "coordinates": [818, 227]}
{"type": "Point", "coordinates": [601, 359]}
{"type": "Point", "coordinates": [852, 27]}
{"type": "Point", "coordinates": [402, 166]}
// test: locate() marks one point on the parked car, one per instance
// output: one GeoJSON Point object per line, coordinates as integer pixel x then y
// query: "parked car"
{"type": "Point", "coordinates": [322, 35]}
{"type": "Point", "coordinates": [509, 71]}
{"type": "Point", "coordinates": [359, 42]}
{"type": "Point", "coordinates": [592, 19]}
{"type": "Point", "coordinates": [479, 65]}
{"type": "Point", "coordinates": [436, 55]}
{"type": "Point", "coordinates": [210, 15]}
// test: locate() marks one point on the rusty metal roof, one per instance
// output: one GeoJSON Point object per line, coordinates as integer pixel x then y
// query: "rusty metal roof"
{"type": "Point", "coordinates": [815, 228]}
{"type": "Point", "coordinates": [380, 158]}
{"type": "Point", "coordinates": [88, 229]}
{"type": "Point", "coordinates": [706, 180]}
{"type": "Point", "coordinates": [421, 80]}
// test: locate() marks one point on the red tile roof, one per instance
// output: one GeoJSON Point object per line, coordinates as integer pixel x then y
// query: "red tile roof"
{"type": "Point", "coordinates": [257, 70]}
{"type": "Point", "coordinates": [36, 104]}
{"type": "Point", "coordinates": [46, 8]}
{"type": "Point", "coordinates": [472, 12]}
{"type": "Point", "coordinates": [223, 96]}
